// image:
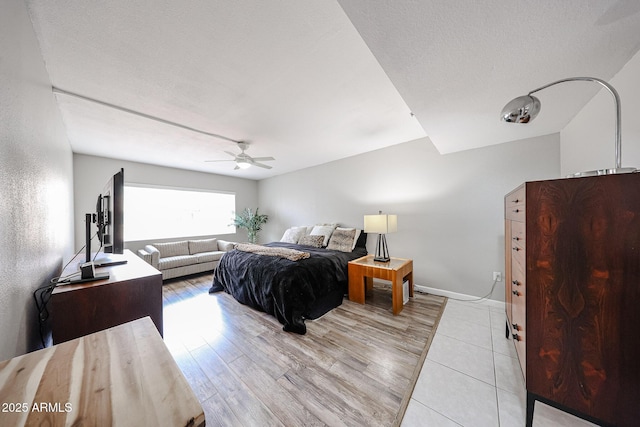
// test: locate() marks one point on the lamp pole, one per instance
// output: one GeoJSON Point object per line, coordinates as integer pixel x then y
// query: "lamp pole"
{"type": "Point", "coordinates": [616, 97]}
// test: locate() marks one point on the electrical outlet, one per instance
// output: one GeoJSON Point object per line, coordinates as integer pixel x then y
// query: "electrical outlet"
{"type": "Point", "coordinates": [497, 276]}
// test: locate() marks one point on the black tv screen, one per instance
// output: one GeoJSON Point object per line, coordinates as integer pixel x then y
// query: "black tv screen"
{"type": "Point", "coordinates": [112, 238]}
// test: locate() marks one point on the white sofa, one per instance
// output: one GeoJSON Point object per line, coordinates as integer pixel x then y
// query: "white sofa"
{"type": "Point", "coordinates": [175, 259]}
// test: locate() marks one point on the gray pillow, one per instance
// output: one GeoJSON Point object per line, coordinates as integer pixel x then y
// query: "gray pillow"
{"type": "Point", "coordinates": [315, 241]}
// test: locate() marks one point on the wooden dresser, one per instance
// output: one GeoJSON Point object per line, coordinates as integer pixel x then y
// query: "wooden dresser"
{"type": "Point", "coordinates": [572, 269]}
{"type": "Point", "coordinates": [132, 291]}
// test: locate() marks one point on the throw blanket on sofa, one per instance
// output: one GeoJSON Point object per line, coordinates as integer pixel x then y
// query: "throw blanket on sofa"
{"type": "Point", "coordinates": [287, 253]}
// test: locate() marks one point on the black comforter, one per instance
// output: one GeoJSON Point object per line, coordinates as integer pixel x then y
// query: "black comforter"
{"type": "Point", "coordinates": [289, 290]}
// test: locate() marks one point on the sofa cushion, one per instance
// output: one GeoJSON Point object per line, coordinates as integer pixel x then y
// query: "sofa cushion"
{"type": "Point", "coordinates": [199, 246]}
{"type": "Point", "coordinates": [170, 249]}
{"type": "Point", "coordinates": [177, 261]}
{"type": "Point", "coordinates": [225, 246]}
{"type": "Point", "coordinates": [209, 256]}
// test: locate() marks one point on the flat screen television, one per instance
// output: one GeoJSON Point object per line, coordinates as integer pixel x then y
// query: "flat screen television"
{"type": "Point", "coordinates": [109, 220]}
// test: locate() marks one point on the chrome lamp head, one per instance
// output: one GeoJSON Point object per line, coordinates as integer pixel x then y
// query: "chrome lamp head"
{"type": "Point", "coordinates": [525, 108]}
{"type": "Point", "coordinates": [522, 109]}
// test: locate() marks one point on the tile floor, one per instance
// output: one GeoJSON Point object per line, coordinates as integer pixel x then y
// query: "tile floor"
{"type": "Point", "coordinates": [472, 377]}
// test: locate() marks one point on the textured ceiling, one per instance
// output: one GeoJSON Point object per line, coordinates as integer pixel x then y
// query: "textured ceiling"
{"type": "Point", "coordinates": [457, 63]}
{"type": "Point", "coordinates": [312, 82]}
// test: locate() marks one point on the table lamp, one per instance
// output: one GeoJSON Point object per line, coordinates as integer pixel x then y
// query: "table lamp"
{"type": "Point", "coordinates": [381, 224]}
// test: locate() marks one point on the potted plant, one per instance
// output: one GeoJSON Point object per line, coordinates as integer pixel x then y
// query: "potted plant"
{"type": "Point", "coordinates": [252, 221]}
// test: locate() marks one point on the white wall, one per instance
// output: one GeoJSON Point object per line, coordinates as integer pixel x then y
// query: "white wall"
{"type": "Point", "coordinates": [450, 208]}
{"type": "Point", "coordinates": [588, 140]}
{"type": "Point", "coordinates": [36, 213]}
{"type": "Point", "coordinates": [92, 173]}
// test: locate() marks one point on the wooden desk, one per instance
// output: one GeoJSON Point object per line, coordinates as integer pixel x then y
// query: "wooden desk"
{"type": "Point", "coordinates": [124, 375]}
{"type": "Point", "coordinates": [363, 270]}
{"type": "Point", "coordinates": [133, 290]}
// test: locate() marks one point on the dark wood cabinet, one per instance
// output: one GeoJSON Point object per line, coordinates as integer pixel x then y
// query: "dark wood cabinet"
{"type": "Point", "coordinates": [574, 307]}
{"type": "Point", "coordinates": [133, 291]}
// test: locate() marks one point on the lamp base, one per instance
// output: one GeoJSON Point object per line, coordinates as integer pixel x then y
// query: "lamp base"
{"type": "Point", "coordinates": [599, 172]}
{"type": "Point", "coordinates": [382, 253]}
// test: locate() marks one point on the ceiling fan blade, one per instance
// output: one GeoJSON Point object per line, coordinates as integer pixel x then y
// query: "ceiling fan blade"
{"type": "Point", "coordinates": [231, 154]}
{"type": "Point", "coordinates": [260, 165]}
{"type": "Point", "coordinates": [261, 159]}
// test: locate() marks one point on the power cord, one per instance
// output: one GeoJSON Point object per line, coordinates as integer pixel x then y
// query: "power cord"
{"type": "Point", "coordinates": [42, 295]}
{"type": "Point", "coordinates": [478, 299]}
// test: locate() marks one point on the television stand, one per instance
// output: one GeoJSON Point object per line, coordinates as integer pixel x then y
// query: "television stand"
{"type": "Point", "coordinates": [132, 290]}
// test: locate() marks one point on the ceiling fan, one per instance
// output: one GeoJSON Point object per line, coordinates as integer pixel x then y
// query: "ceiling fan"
{"type": "Point", "coordinates": [243, 160]}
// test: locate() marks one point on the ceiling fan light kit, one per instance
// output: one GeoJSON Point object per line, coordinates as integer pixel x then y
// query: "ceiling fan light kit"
{"type": "Point", "coordinates": [243, 160]}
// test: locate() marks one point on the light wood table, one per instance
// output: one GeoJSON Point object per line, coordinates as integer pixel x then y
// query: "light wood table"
{"type": "Point", "coordinates": [123, 376]}
{"type": "Point", "coordinates": [363, 270]}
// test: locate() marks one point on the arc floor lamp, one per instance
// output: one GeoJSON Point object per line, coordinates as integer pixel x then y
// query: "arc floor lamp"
{"type": "Point", "coordinates": [525, 108]}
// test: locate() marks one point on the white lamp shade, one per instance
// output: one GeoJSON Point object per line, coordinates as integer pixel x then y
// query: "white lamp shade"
{"type": "Point", "coordinates": [381, 223]}
{"type": "Point", "coordinates": [243, 164]}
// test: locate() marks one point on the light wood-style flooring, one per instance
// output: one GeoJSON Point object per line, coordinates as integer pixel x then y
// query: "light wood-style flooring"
{"type": "Point", "coordinates": [356, 365]}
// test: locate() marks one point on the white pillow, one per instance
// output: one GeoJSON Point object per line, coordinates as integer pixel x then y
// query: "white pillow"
{"type": "Point", "coordinates": [323, 230]}
{"type": "Point", "coordinates": [293, 234]}
{"type": "Point", "coordinates": [306, 229]}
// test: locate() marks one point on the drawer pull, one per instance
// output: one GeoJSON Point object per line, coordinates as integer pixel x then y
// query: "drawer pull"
{"type": "Point", "coordinates": [516, 200]}
{"type": "Point", "coordinates": [516, 210]}
{"type": "Point", "coordinates": [515, 326]}
{"type": "Point", "coordinates": [516, 238]}
{"type": "Point", "coordinates": [517, 337]}
{"type": "Point", "coordinates": [516, 249]}
{"type": "Point", "coordinates": [515, 282]}
{"type": "Point", "coordinates": [516, 293]}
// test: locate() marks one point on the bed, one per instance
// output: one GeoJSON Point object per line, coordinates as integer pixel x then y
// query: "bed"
{"type": "Point", "coordinates": [292, 291]}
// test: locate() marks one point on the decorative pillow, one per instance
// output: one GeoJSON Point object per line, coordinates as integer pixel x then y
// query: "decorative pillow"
{"type": "Point", "coordinates": [315, 241]}
{"type": "Point", "coordinates": [200, 246]}
{"type": "Point", "coordinates": [357, 236]}
{"type": "Point", "coordinates": [342, 240]}
{"type": "Point", "coordinates": [293, 234]}
{"type": "Point", "coordinates": [172, 248]}
{"type": "Point", "coordinates": [323, 230]}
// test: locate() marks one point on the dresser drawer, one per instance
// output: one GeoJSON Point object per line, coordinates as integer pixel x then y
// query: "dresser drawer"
{"type": "Point", "coordinates": [518, 255]}
{"type": "Point", "coordinates": [516, 197]}
{"type": "Point", "coordinates": [518, 280]}
{"type": "Point", "coordinates": [515, 213]}
{"type": "Point", "coordinates": [518, 233]}
{"type": "Point", "coordinates": [514, 204]}
{"type": "Point", "coordinates": [518, 330]}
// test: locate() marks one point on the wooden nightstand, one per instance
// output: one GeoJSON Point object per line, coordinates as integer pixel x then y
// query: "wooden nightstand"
{"type": "Point", "coordinates": [363, 270]}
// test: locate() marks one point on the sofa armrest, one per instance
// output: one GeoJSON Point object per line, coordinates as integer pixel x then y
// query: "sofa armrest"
{"type": "Point", "coordinates": [226, 246]}
{"type": "Point", "coordinates": [150, 254]}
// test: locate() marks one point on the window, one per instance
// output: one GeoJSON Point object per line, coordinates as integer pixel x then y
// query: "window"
{"type": "Point", "coordinates": [162, 212]}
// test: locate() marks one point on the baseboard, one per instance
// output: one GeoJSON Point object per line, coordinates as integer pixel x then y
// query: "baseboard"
{"type": "Point", "coordinates": [457, 296]}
